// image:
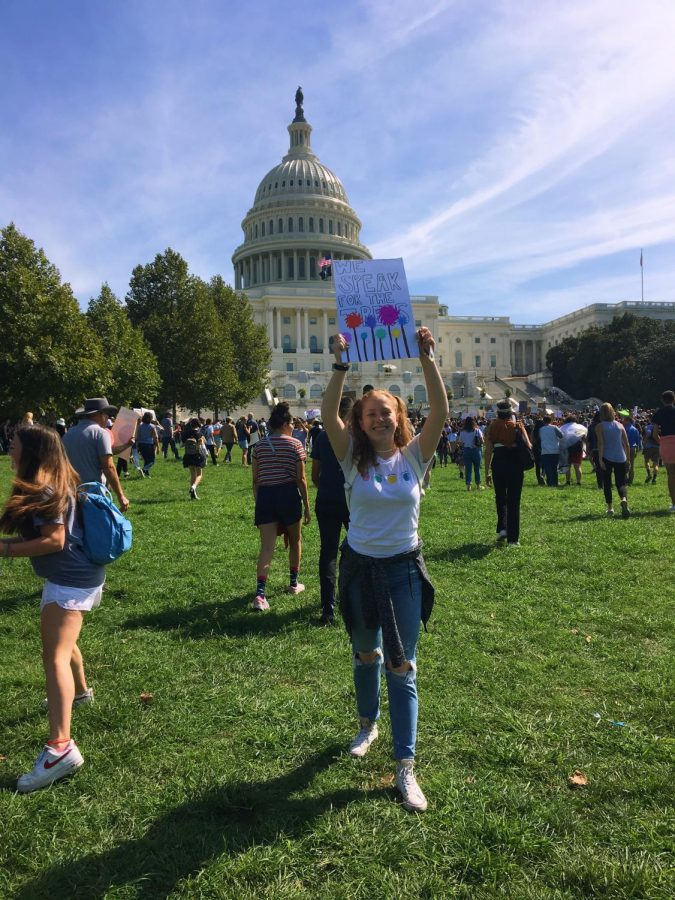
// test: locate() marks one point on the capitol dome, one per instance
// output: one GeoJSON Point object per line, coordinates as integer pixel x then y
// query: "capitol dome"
{"type": "Point", "coordinates": [300, 215]}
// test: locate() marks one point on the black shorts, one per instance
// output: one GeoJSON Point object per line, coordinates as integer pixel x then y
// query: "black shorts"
{"type": "Point", "coordinates": [280, 503]}
{"type": "Point", "coordinates": [193, 459]}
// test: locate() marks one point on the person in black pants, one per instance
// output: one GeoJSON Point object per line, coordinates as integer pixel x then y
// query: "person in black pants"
{"type": "Point", "coordinates": [331, 512]}
{"type": "Point", "coordinates": [504, 470]}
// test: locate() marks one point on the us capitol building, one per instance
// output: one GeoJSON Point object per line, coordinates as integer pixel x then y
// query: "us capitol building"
{"type": "Point", "coordinates": [300, 216]}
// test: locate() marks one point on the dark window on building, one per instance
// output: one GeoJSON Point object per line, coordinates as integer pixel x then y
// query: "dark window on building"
{"type": "Point", "coordinates": [290, 224]}
{"type": "Point", "coordinates": [301, 224]}
{"type": "Point", "coordinates": [320, 226]}
{"type": "Point", "coordinates": [311, 223]}
{"type": "Point", "coordinates": [280, 229]}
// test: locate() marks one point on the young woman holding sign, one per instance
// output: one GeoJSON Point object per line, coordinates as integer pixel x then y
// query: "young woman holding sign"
{"type": "Point", "coordinates": [384, 587]}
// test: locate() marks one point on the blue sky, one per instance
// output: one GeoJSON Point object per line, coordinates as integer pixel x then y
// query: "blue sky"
{"type": "Point", "coordinates": [517, 154]}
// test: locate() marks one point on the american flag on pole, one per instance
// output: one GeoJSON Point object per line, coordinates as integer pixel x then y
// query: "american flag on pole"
{"type": "Point", "coordinates": [641, 259]}
{"type": "Point", "coordinates": [326, 266]}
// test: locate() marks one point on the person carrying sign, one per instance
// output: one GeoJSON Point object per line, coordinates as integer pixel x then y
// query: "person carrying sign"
{"type": "Point", "coordinates": [384, 588]}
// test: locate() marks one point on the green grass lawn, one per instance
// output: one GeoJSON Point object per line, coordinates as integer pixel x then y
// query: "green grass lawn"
{"type": "Point", "coordinates": [235, 781]}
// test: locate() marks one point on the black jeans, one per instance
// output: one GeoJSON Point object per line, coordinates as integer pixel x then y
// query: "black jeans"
{"type": "Point", "coordinates": [331, 515]}
{"type": "Point", "coordinates": [228, 451]}
{"type": "Point", "coordinates": [507, 480]}
{"type": "Point", "coordinates": [619, 469]}
{"type": "Point", "coordinates": [212, 450]}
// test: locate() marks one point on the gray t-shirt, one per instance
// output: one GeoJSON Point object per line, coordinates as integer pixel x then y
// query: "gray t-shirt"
{"type": "Point", "coordinates": [68, 567]}
{"type": "Point", "coordinates": [85, 444]}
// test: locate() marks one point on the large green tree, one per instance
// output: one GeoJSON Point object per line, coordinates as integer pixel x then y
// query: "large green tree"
{"type": "Point", "coordinates": [158, 295]}
{"type": "Point", "coordinates": [211, 354]}
{"type": "Point", "coordinates": [629, 360]}
{"type": "Point", "coordinates": [133, 376]}
{"type": "Point", "coordinates": [50, 357]}
{"type": "Point", "coordinates": [245, 351]}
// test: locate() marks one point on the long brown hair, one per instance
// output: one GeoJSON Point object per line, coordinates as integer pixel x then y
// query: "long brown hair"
{"type": "Point", "coordinates": [364, 454]}
{"type": "Point", "coordinates": [45, 481]}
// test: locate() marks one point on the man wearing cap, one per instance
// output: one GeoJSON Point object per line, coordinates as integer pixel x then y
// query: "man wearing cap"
{"type": "Point", "coordinates": [89, 447]}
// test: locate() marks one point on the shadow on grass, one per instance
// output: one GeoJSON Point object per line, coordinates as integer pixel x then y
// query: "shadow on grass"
{"type": "Point", "coordinates": [231, 618]}
{"type": "Point", "coordinates": [9, 604]}
{"type": "Point", "coordinates": [230, 819]}
{"type": "Point", "coordinates": [634, 514]}
{"type": "Point", "coordinates": [457, 554]}
{"type": "Point", "coordinates": [149, 501]}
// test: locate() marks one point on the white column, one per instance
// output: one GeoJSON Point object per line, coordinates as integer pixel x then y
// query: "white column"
{"type": "Point", "coordinates": [279, 342]}
{"type": "Point", "coordinates": [325, 331]}
{"type": "Point", "coordinates": [307, 271]}
{"type": "Point", "coordinates": [270, 327]}
{"type": "Point", "coordinates": [298, 330]}
{"type": "Point", "coordinates": [283, 265]}
{"type": "Point", "coordinates": [295, 265]}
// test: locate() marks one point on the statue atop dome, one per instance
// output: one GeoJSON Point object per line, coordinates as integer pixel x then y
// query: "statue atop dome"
{"type": "Point", "coordinates": [299, 111]}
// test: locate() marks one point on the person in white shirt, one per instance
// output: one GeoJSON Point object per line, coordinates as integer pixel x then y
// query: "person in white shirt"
{"type": "Point", "coordinates": [384, 588]}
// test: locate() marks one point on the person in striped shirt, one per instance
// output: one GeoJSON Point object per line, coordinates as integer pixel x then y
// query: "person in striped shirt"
{"type": "Point", "coordinates": [281, 499]}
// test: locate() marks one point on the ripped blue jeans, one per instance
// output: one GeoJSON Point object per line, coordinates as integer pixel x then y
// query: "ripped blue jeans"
{"type": "Point", "coordinates": [405, 586]}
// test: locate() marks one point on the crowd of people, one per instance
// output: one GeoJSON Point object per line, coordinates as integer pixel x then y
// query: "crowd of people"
{"type": "Point", "coordinates": [371, 464]}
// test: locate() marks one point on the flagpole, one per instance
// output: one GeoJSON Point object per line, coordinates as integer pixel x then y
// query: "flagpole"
{"type": "Point", "coordinates": [642, 276]}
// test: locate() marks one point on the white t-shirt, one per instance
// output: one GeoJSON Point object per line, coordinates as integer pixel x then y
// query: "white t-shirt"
{"type": "Point", "coordinates": [385, 504]}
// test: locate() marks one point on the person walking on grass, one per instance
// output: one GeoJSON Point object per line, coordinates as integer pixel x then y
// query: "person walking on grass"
{"type": "Point", "coordinates": [384, 588]}
{"type": "Point", "coordinates": [332, 512]}
{"type": "Point", "coordinates": [504, 470]}
{"type": "Point", "coordinates": [229, 435]}
{"type": "Point", "coordinates": [281, 499]}
{"type": "Point", "coordinates": [168, 437]}
{"type": "Point", "coordinates": [41, 514]}
{"type": "Point", "coordinates": [663, 431]}
{"type": "Point", "coordinates": [471, 443]}
{"type": "Point", "coordinates": [651, 453]}
{"type": "Point", "coordinates": [89, 449]}
{"type": "Point", "coordinates": [147, 438]}
{"type": "Point", "coordinates": [194, 454]}
{"type": "Point", "coordinates": [243, 434]}
{"type": "Point", "coordinates": [613, 455]}
{"type": "Point", "coordinates": [550, 438]}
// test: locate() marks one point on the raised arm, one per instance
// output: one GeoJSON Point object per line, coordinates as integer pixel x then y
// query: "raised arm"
{"type": "Point", "coordinates": [438, 398]}
{"type": "Point", "coordinates": [335, 428]}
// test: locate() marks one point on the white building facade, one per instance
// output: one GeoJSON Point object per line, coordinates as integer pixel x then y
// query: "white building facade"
{"type": "Point", "coordinates": [301, 216]}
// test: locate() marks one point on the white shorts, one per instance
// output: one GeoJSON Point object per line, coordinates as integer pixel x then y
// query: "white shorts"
{"type": "Point", "coordinates": [82, 599]}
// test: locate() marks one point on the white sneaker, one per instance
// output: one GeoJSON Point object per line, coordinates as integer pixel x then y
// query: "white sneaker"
{"type": "Point", "coordinates": [296, 588]}
{"type": "Point", "coordinates": [50, 766]}
{"type": "Point", "coordinates": [361, 743]}
{"type": "Point", "coordinates": [413, 798]}
{"type": "Point", "coordinates": [610, 512]}
{"type": "Point", "coordinates": [78, 699]}
{"type": "Point", "coordinates": [501, 536]}
{"type": "Point", "coordinates": [672, 508]}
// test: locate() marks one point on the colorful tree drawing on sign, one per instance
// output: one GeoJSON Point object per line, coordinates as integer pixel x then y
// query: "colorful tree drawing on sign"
{"type": "Point", "coordinates": [364, 338]}
{"type": "Point", "coordinates": [371, 321]}
{"type": "Point", "coordinates": [403, 319]}
{"type": "Point", "coordinates": [380, 334]}
{"type": "Point", "coordinates": [353, 320]}
{"type": "Point", "coordinates": [348, 340]}
{"type": "Point", "coordinates": [388, 316]}
{"type": "Point", "coordinates": [396, 333]}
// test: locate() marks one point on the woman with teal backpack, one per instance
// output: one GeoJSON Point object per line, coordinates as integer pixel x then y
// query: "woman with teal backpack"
{"type": "Point", "coordinates": [41, 513]}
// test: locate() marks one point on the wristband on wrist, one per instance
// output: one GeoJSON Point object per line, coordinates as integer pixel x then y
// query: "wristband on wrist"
{"type": "Point", "coordinates": [340, 367]}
